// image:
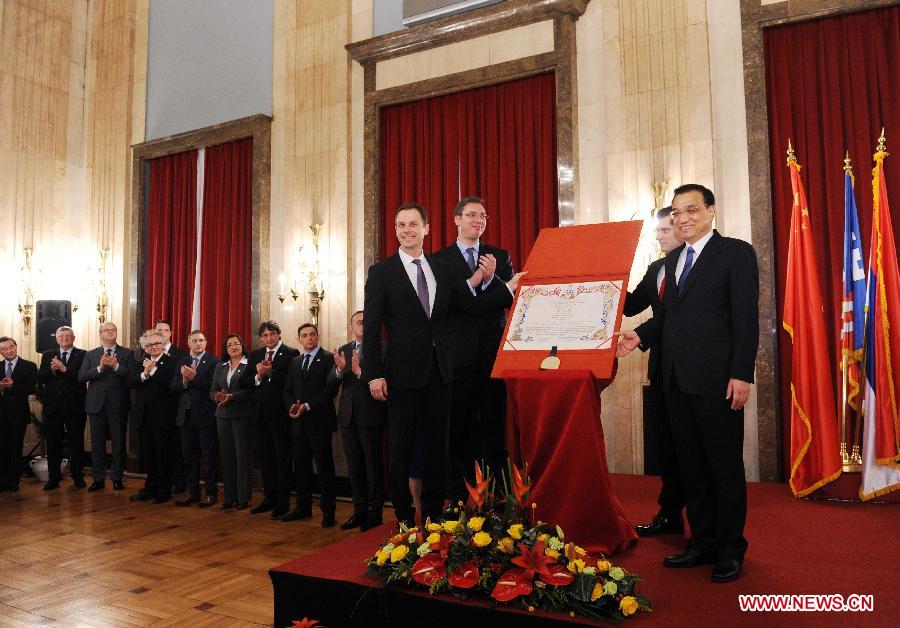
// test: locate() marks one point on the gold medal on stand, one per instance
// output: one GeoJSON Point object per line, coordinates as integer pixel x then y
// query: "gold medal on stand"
{"type": "Point", "coordinates": [551, 362]}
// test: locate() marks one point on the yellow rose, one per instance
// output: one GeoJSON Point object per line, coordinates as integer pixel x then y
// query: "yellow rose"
{"type": "Point", "coordinates": [543, 538]}
{"type": "Point", "coordinates": [580, 551]}
{"type": "Point", "coordinates": [628, 605]}
{"type": "Point", "coordinates": [552, 553]}
{"type": "Point", "coordinates": [433, 538]}
{"type": "Point", "coordinates": [515, 531]}
{"type": "Point", "coordinates": [434, 527]}
{"type": "Point", "coordinates": [481, 539]}
{"type": "Point", "coordinates": [506, 545]}
{"type": "Point", "coordinates": [576, 566]}
{"type": "Point", "coordinates": [450, 526]}
{"type": "Point", "coordinates": [381, 557]}
{"type": "Point", "coordinates": [603, 566]}
{"type": "Point", "coordinates": [475, 523]}
{"type": "Point", "coordinates": [597, 593]}
{"type": "Point", "coordinates": [398, 553]}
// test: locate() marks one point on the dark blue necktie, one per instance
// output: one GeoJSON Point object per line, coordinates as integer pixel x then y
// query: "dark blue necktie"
{"type": "Point", "coordinates": [688, 264]}
{"type": "Point", "coordinates": [470, 259]}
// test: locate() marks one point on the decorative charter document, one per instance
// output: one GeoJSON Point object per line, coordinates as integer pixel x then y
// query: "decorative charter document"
{"type": "Point", "coordinates": [567, 316]}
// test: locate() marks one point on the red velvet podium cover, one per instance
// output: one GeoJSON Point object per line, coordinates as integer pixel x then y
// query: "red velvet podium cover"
{"type": "Point", "coordinates": [554, 416]}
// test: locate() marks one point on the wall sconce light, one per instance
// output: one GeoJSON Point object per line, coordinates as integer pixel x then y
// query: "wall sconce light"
{"type": "Point", "coordinates": [26, 305]}
{"type": "Point", "coordinates": [315, 285]}
{"type": "Point", "coordinates": [98, 284]}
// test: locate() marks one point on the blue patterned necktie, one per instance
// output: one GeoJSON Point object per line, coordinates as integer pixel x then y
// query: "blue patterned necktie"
{"type": "Point", "coordinates": [688, 264]}
{"type": "Point", "coordinates": [470, 259]}
{"type": "Point", "coordinates": [422, 287]}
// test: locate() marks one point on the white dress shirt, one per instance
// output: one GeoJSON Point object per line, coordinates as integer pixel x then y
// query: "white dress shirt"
{"type": "Point", "coordinates": [412, 272]}
{"type": "Point", "coordinates": [698, 248]}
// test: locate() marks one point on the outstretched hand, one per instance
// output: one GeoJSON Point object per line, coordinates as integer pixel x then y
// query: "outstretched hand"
{"type": "Point", "coordinates": [628, 342]}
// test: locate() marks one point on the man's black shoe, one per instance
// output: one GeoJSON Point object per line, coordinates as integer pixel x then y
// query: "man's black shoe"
{"type": "Point", "coordinates": [96, 486]}
{"type": "Point", "coordinates": [294, 515]}
{"type": "Point", "coordinates": [118, 485]}
{"type": "Point", "coordinates": [140, 496]}
{"type": "Point", "coordinates": [278, 511]}
{"type": "Point", "coordinates": [49, 486]}
{"type": "Point", "coordinates": [726, 570]}
{"type": "Point", "coordinates": [690, 558]}
{"type": "Point", "coordinates": [161, 500]}
{"type": "Point", "coordinates": [208, 501]}
{"type": "Point", "coordinates": [264, 506]}
{"type": "Point", "coordinates": [371, 522]}
{"type": "Point", "coordinates": [79, 482]}
{"type": "Point", "coordinates": [328, 520]}
{"type": "Point", "coordinates": [187, 501]}
{"type": "Point", "coordinates": [353, 522]}
{"type": "Point", "coordinates": [661, 524]}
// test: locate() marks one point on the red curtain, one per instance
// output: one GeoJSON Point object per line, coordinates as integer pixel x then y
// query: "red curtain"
{"type": "Point", "coordinates": [171, 242]}
{"type": "Point", "coordinates": [497, 142]}
{"type": "Point", "coordinates": [225, 256]}
{"type": "Point", "coordinates": [831, 85]}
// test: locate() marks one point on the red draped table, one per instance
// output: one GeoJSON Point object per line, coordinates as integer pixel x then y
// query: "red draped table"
{"type": "Point", "coordinates": [555, 427]}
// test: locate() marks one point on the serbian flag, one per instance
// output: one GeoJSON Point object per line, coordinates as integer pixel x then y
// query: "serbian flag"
{"type": "Point", "coordinates": [883, 327]}
{"type": "Point", "coordinates": [854, 301]}
{"type": "Point", "coordinates": [815, 449]}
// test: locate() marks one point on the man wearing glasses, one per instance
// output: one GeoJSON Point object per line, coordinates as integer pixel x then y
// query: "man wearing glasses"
{"type": "Point", "coordinates": [477, 403]}
{"type": "Point", "coordinates": [709, 329]}
{"type": "Point", "coordinates": [649, 293]}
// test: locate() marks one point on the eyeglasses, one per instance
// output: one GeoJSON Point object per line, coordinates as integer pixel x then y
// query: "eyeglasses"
{"type": "Point", "coordinates": [690, 211]}
{"type": "Point", "coordinates": [154, 344]}
{"type": "Point", "coordinates": [473, 216]}
{"type": "Point", "coordinates": [233, 345]}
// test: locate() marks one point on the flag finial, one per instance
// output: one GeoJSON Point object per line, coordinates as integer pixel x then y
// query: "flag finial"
{"type": "Point", "coordinates": [847, 167]}
{"type": "Point", "coordinates": [791, 158]}
{"type": "Point", "coordinates": [881, 147]}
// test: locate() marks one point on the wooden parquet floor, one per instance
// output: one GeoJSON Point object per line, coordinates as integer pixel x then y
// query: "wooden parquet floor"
{"type": "Point", "coordinates": [72, 558]}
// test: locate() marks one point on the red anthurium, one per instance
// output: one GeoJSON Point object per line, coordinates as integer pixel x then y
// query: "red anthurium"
{"type": "Point", "coordinates": [442, 547]}
{"type": "Point", "coordinates": [304, 623]}
{"type": "Point", "coordinates": [519, 487]}
{"type": "Point", "coordinates": [533, 559]}
{"type": "Point", "coordinates": [465, 576]}
{"type": "Point", "coordinates": [559, 576]}
{"type": "Point", "coordinates": [429, 568]}
{"type": "Point", "coordinates": [477, 492]}
{"type": "Point", "coordinates": [512, 583]}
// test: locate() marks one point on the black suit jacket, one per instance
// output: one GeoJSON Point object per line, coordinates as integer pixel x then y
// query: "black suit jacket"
{"type": "Point", "coordinates": [317, 387]}
{"type": "Point", "coordinates": [646, 295]}
{"type": "Point", "coordinates": [154, 403]}
{"type": "Point", "coordinates": [203, 409]}
{"type": "Point", "coordinates": [473, 334]}
{"type": "Point", "coordinates": [710, 333]}
{"type": "Point", "coordinates": [14, 409]}
{"type": "Point", "coordinates": [412, 337]}
{"type": "Point", "coordinates": [62, 392]}
{"type": "Point", "coordinates": [107, 388]}
{"type": "Point", "coordinates": [268, 401]}
{"type": "Point", "coordinates": [356, 405]}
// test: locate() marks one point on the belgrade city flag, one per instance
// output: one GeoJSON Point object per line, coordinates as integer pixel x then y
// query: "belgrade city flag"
{"type": "Point", "coordinates": [880, 445]}
{"type": "Point", "coordinates": [815, 449]}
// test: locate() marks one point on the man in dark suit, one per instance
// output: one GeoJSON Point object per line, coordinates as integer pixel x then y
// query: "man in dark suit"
{"type": "Point", "coordinates": [410, 295]}
{"type": "Point", "coordinates": [309, 398]}
{"type": "Point", "coordinates": [478, 403]}
{"type": "Point", "coordinates": [648, 293]}
{"type": "Point", "coordinates": [106, 370]}
{"type": "Point", "coordinates": [62, 396]}
{"type": "Point", "coordinates": [19, 379]}
{"type": "Point", "coordinates": [709, 330]}
{"type": "Point", "coordinates": [266, 374]}
{"type": "Point", "coordinates": [164, 327]}
{"type": "Point", "coordinates": [196, 419]}
{"type": "Point", "coordinates": [361, 419]}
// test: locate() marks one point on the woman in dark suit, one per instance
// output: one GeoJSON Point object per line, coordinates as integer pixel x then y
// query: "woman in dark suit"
{"type": "Point", "coordinates": [154, 410]}
{"type": "Point", "coordinates": [233, 410]}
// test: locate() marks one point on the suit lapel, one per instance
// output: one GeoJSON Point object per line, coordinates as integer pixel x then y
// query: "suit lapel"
{"type": "Point", "coordinates": [704, 260]}
{"type": "Point", "coordinates": [396, 265]}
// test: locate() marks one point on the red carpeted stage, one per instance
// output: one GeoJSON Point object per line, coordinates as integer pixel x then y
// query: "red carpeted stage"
{"type": "Point", "coordinates": [796, 547]}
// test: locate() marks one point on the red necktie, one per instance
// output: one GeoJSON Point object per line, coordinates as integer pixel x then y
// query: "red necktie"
{"type": "Point", "coordinates": [662, 288]}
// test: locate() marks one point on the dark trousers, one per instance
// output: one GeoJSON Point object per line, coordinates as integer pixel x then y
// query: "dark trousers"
{"type": "Point", "coordinates": [671, 495]}
{"type": "Point", "coordinates": [311, 442]}
{"type": "Point", "coordinates": [363, 448]}
{"type": "Point", "coordinates": [12, 436]}
{"type": "Point", "coordinates": [178, 473]}
{"type": "Point", "coordinates": [105, 425]}
{"type": "Point", "coordinates": [58, 425]}
{"type": "Point", "coordinates": [426, 408]}
{"type": "Point", "coordinates": [233, 437]}
{"type": "Point", "coordinates": [709, 443]}
{"type": "Point", "coordinates": [200, 444]}
{"type": "Point", "coordinates": [274, 448]}
{"type": "Point", "coordinates": [157, 457]}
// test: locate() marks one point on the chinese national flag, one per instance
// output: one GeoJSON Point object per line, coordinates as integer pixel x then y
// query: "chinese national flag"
{"type": "Point", "coordinates": [815, 448]}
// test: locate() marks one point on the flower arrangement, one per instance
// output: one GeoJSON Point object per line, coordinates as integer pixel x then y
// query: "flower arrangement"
{"type": "Point", "coordinates": [492, 549]}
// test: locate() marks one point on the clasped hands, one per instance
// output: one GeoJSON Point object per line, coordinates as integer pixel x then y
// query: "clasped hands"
{"type": "Point", "coordinates": [341, 362]}
{"type": "Point", "coordinates": [738, 390]}
{"type": "Point", "coordinates": [57, 365]}
{"type": "Point", "coordinates": [263, 369]}
{"type": "Point", "coordinates": [487, 265]}
{"type": "Point", "coordinates": [223, 398]}
{"type": "Point", "coordinates": [6, 382]}
{"type": "Point", "coordinates": [109, 361]}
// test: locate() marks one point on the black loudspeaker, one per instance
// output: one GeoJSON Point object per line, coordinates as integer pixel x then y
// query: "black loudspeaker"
{"type": "Point", "coordinates": [51, 315]}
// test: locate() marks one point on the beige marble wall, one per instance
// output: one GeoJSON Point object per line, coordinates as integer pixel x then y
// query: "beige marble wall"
{"type": "Point", "coordinates": [70, 77]}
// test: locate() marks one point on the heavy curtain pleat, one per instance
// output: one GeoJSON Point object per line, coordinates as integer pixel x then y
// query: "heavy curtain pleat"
{"type": "Point", "coordinates": [226, 242]}
{"type": "Point", "coordinates": [171, 242]}
{"type": "Point", "coordinates": [831, 85]}
{"type": "Point", "coordinates": [497, 142]}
